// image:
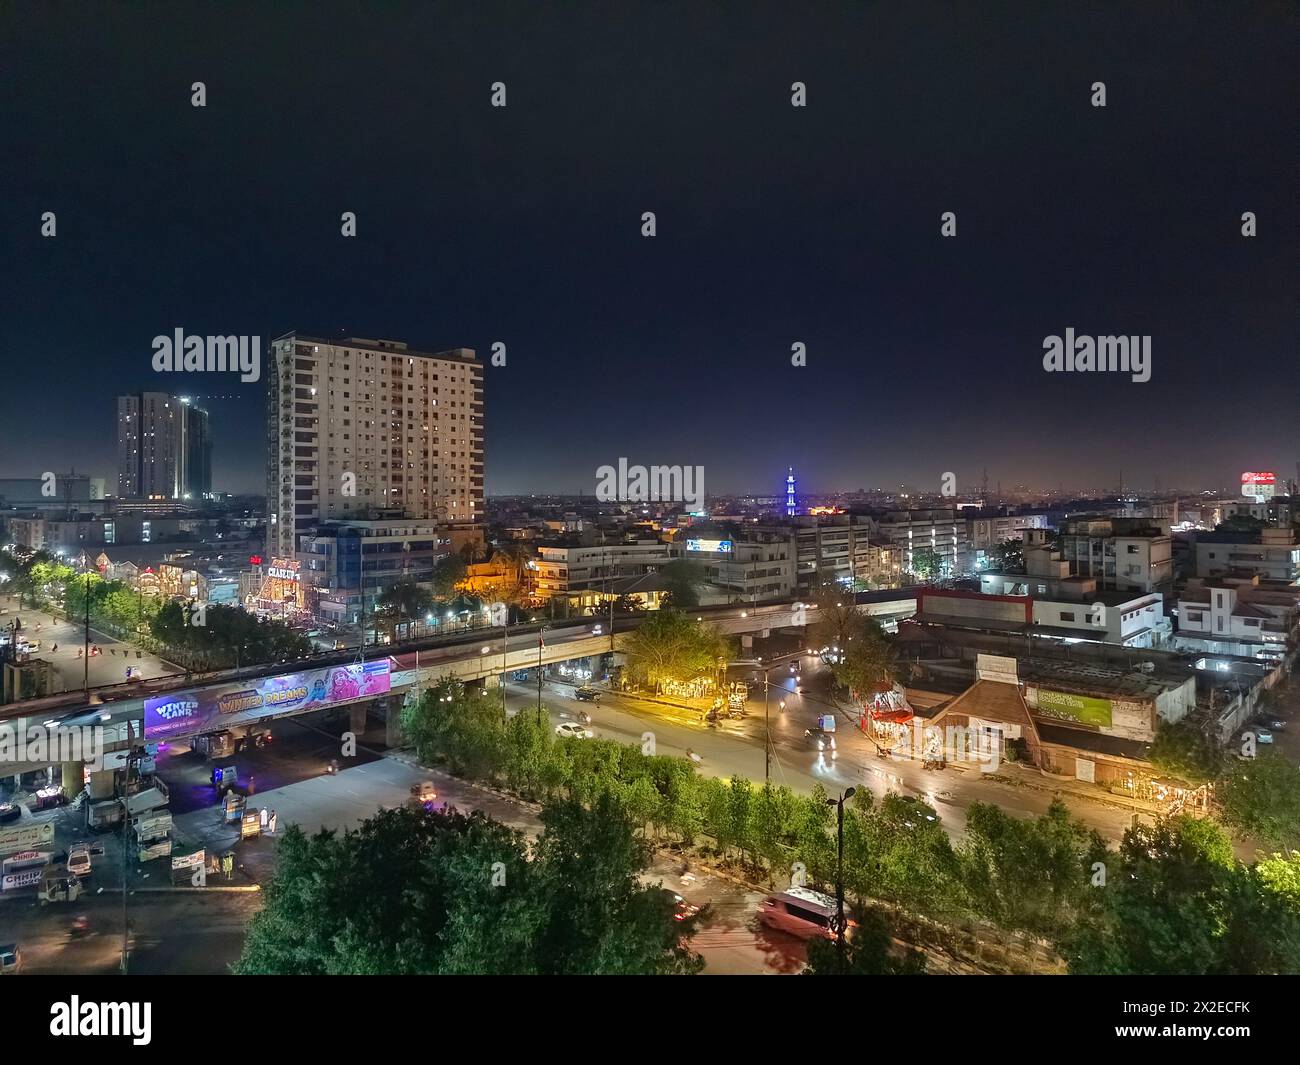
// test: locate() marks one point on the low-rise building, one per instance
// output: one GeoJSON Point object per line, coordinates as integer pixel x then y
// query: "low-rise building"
{"type": "Point", "coordinates": [1269, 553]}
{"type": "Point", "coordinates": [1125, 554]}
{"type": "Point", "coordinates": [1216, 618]}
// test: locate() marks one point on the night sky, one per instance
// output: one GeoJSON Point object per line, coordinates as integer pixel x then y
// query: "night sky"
{"type": "Point", "coordinates": [775, 225]}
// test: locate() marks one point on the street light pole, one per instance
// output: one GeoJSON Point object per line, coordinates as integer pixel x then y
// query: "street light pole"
{"type": "Point", "coordinates": [767, 733]}
{"type": "Point", "coordinates": [85, 674]}
{"type": "Point", "coordinates": [505, 648]}
{"type": "Point", "coordinates": [126, 841]}
{"type": "Point", "coordinates": [540, 645]}
{"type": "Point", "coordinates": [841, 925]}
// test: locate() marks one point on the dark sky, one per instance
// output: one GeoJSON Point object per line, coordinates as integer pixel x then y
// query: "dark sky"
{"type": "Point", "coordinates": [775, 225]}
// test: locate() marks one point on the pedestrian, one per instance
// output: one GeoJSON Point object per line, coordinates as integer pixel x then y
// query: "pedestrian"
{"type": "Point", "coordinates": [55, 647]}
{"type": "Point", "coordinates": [273, 822]}
{"type": "Point", "coordinates": [252, 783]}
{"type": "Point", "coordinates": [112, 651]}
{"type": "Point", "coordinates": [262, 818]}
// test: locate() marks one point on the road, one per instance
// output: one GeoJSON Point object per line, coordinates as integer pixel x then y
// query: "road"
{"type": "Point", "coordinates": [736, 748]}
{"type": "Point", "coordinates": [69, 666]}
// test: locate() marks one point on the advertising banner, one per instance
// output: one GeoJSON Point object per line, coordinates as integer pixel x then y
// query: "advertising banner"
{"type": "Point", "coordinates": [1081, 708]}
{"type": "Point", "coordinates": [208, 709]}
{"type": "Point", "coordinates": [25, 838]}
{"type": "Point", "coordinates": [25, 878]}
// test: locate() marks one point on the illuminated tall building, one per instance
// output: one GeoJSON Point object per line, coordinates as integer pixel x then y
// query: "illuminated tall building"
{"type": "Point", "coordinates": [164, 450]}
{"type": "Point", "coordinates": [362, 427]}
{"type": "Point", "coordinates": [791, 507]}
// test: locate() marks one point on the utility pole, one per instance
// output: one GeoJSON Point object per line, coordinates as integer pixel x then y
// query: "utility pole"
{"type": "Point", "coordinates": [85, 670]}
{"type": "Point", "coordinates": [505, 647]}
{"type": "Point", "coordinates": [126, 840]}
{"type": "Point", "coordinates": [841, 924]}
{"type": "Point", "coordinates": [540, 644]}
{"type": "Point", "coordinates": [767, 733]}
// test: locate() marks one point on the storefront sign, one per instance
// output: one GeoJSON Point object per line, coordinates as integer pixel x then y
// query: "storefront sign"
{"type": "Point", "coordinates": [26, 878]}
{"type": "Point", "coordinates": [26, 838]}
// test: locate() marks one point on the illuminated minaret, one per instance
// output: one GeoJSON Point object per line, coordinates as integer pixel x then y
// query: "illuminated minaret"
{"type": "Point", "coordinates": [790, 507]}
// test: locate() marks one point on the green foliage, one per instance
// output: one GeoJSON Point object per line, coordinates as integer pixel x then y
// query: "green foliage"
{"type": "Point", "coordinates": [1184, 751]}
{"type": "Point", "coordinates": [1261, 796]}
{"type": "Point", "coordinates": [867, 663]}
{"type": "Point", "coordinates": [670, 646]}
{"type": "Point", "coordinates": [414, 891]}
{"type": "Point", "coordinates": [927, 564]}
{"type": "Point", "coordinates": [229, 636]}
{"type": "Point", "coordinates": [869, 951]}
{"type": "Point", "coordinates": [448, 572]}
{"type": "Point", "coordinates": [1176, 901]}
{"type": "Point", "coordinates": [1007, 557]}
{"type": "Point", "coordinates": [1034, 875]}
{"type": "Point", "coordinates": [681, 579]}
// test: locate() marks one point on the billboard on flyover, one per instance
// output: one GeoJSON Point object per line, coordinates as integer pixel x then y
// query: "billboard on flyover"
{"type": "Point", "coordinates": [207, 709]}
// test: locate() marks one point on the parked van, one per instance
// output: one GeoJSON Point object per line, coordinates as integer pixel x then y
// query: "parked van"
{"type": "Point", "coordinates": [800, 912]}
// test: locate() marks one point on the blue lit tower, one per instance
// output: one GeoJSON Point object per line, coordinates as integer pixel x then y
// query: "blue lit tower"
{"type": "Point", "coordinates": [790, 507]}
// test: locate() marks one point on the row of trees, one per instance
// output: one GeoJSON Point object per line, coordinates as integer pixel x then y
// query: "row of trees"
{"type": "Point", "coordinates": [214, 638]}
{"type": "Point", "coordinates": [415, 891]}
{"type": "Point", "coordinates": [1171, 899]}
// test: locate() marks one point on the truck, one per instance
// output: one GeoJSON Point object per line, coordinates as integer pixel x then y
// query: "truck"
{"type": "Point", "coordinates": [223, 744]}
{"type": "Point", "coordinates": [147, 799]}
{"type": "Point", "coordinates": [153, 835]}
{"type": "Point", "coordinates": [101, 816]}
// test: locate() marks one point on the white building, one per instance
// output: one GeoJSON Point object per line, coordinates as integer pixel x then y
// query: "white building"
{"type": "Point", "coordinates": [1214, 618]}
{"type": "Point", "coordinates": [1120, 554]}
{"type": "Point", "coordinates": [358, 426]}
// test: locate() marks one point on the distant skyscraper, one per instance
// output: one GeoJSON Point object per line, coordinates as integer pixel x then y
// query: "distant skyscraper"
{"type": "Point", "coordinates": [791, 507]}
{"type": "Point", "coordinates": [358, 426]}
{"type": "Point", "coordinates": [164, 448]}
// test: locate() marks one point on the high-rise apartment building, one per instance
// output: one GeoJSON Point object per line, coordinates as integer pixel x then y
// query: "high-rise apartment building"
{"type": "Point", "coordinates": [358, 427]}
{"type": "Point", "coordinates": [164, 447]}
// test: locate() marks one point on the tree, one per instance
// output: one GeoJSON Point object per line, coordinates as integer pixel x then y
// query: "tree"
{"type": "Point", "coordinates": [1007, 557]}
{"type": "Point", "coordinates": [868, 663]}
{"type": "Point", "coordinates": [448, 572]}
{"type": "Point", "coordinates": [599, 918]}
{"type": "Point", "coordinates": [462, 726]}
{"type": "Point", "coordinates": [681, 579]}
{"type": "Point", "coordinates": [670, 646]}
{"type": "Point", "coordinates": [927, 564]}
{"type": "Point", "coordinates": [1031, 874]}
{"type": "Point", "coordinates": [1261, 796]}
{"type": "Point", "coordinates": [440, 892]}
{"type": "Point", "coordinates": [1186, 752]}
{"type": "Point", "coordinates": [1176, 902]}
{"type": "Point", "coordinates": [869, 951]}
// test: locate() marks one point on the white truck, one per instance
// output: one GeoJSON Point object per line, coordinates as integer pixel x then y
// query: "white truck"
{"type": "Point", "coordinates": [153, 835]}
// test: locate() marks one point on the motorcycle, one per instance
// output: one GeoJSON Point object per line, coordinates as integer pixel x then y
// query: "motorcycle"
{"type": "Point", "coordinates": [693, 756]}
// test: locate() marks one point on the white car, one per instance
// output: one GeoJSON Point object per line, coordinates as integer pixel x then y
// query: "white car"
{"type": "Point", "coordinates": [79, 859]}
{"type": "Point", "coordinates": [573, 730]}
{"type": "Point", "coordinates": [1262, 735]}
